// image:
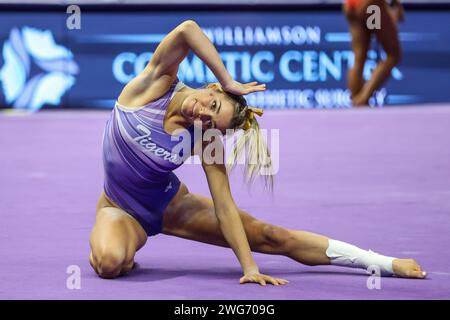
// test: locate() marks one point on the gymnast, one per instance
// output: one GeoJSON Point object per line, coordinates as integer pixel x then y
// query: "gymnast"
{"type": "Point", "coordinates": [143, 197]}
{"type": "Point", "coordinates": [387, 36]}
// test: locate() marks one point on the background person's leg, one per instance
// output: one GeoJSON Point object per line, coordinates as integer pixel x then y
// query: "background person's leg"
{"type": "Point", "coordinates": [388, 37]}
{"type": "Point", "coordinates": [360, 45]}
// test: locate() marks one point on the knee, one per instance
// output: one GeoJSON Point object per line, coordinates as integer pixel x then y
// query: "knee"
{"type": "Point", "coordinates": [276, 238]}
{"type": "Point", "coordinates": [107, 265]}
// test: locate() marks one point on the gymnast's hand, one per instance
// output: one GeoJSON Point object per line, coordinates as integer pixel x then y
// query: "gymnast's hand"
{"type": "Point", "coordinates": [262, 279]}
{"type": "Point", "coordinates": [239, 89]}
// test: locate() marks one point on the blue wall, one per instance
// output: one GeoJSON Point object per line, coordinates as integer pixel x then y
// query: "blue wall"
{"type": "Point", "coordinates": [303, 56]}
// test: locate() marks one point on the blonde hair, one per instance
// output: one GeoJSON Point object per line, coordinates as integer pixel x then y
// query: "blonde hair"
{"type": "Point", "coordinates": [250, 143]}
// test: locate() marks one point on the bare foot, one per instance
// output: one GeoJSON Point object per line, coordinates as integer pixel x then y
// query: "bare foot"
{"type": "Point", "coordinates": [408, 268]}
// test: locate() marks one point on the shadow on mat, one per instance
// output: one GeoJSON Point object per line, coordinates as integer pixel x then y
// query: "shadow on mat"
{"type": "Point", "coordinates": [139, 274]}
{"type": "Point", "coordinates": [331, 273]}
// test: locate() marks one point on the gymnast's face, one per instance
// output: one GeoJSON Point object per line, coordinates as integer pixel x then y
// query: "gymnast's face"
{"type": "Point", "coordinates": [209, 105]}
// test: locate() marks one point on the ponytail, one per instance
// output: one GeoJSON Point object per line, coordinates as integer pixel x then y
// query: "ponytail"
{"type": "Point", "coordinates": [252, 145]}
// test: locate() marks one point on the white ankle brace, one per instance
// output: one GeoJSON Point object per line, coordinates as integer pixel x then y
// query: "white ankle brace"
{"type": "Point", "coordinates": [347, 255]}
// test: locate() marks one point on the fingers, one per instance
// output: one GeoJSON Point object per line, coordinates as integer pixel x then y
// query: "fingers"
{"type": "Point", "coordinates": [263, 280]}
{"type": "Point", "coordinates": [254, 84]}
{"type": "Point", "coordinates": [253, 279]}
{"type": "Point", "coordinates": [245, 88]}
{"type": "Point", "coordinates": [263, 85]}
{"type": "Point", "coordinates": [272, 281]}
{"type": "Point", "coordinates": [260, 87]}
{"type": "Point", "coordinates": [282, 281]}
{"type": "Point", "coordinates": [276, 281]}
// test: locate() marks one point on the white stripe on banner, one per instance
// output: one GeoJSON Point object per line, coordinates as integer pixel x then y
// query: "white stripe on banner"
{"type": "Point", "coordinates": [120, 38]}
{"type": "Point", "coordinates": [404, 36]}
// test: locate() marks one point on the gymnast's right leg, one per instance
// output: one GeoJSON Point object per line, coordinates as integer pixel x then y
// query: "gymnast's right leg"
{"type": "Point", "coordinates": [115, 239]}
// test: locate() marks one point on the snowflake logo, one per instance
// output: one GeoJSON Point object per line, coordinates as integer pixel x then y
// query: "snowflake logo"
{"type": "Point", "coordinates": [21, 52]}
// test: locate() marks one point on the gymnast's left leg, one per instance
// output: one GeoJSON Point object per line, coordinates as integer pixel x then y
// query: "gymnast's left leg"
{"type": "Point", "coordinates": [192, 217]}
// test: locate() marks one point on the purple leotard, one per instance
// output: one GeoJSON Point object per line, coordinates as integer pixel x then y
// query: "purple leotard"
{"type": "Point", "coordinates": [138, 160]}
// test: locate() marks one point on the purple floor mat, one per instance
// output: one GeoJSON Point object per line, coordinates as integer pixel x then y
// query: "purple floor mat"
{"type": "Point", "coordinates": [379, 179]}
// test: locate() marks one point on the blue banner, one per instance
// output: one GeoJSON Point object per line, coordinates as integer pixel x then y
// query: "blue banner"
{"type": "Point", "coordinates": [302, 56]}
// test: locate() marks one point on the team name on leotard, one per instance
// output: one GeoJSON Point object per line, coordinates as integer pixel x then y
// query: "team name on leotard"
{"type": "Point", "coordinates": [146, 141]}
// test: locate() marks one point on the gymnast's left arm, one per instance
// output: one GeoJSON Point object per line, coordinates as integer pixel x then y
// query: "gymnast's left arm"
{"type": "Point", "coordinates": [189, 36]}
{"type": "Point", "coordinates": [175, 47]}
{"type": "Point", "coordinates": [231, 225]}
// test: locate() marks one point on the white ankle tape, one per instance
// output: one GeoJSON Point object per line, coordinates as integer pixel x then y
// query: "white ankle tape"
{"type": "Point", "coordinates": [347, 255]}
